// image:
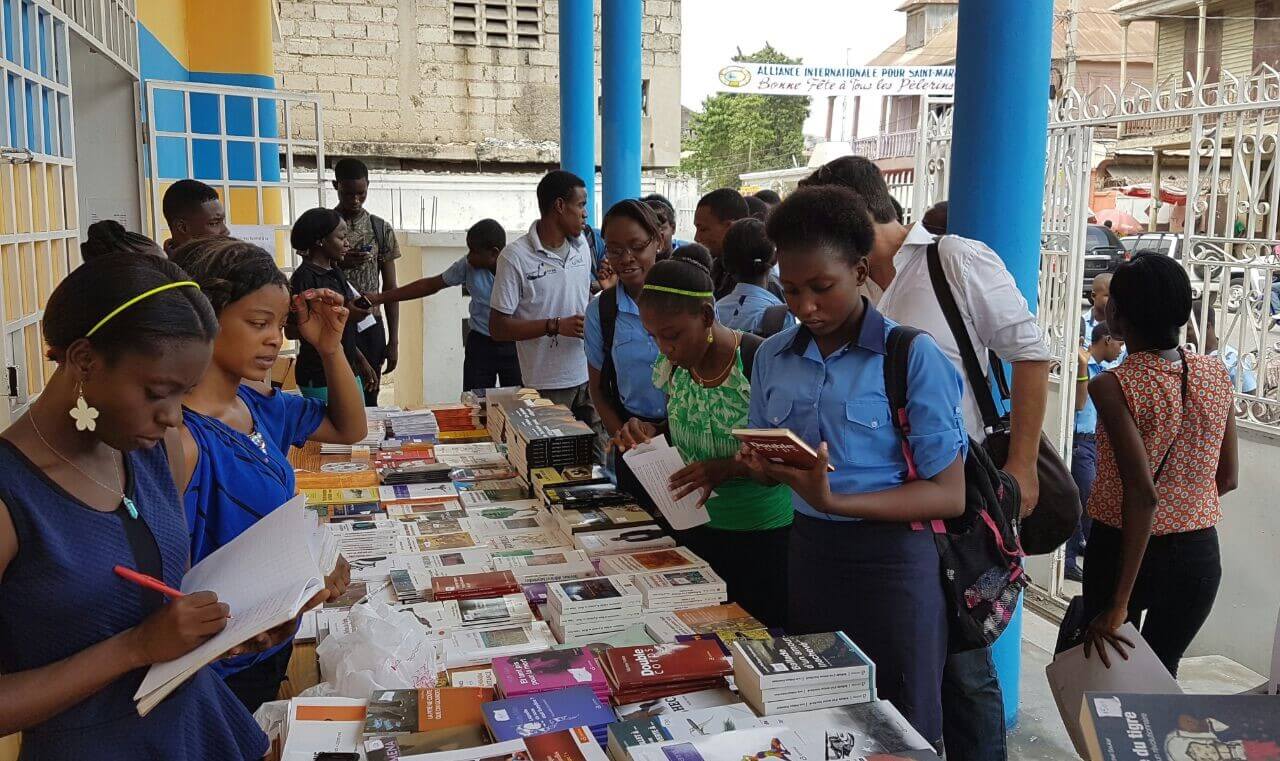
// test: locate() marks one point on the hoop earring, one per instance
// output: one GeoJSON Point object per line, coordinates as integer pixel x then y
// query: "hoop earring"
{"type": "Point", "coordinates": [86, 417]}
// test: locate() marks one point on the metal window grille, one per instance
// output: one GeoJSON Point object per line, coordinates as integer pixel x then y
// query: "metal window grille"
{"type": "Point", "coordinates": [39, 224]}
{"type": "Point", "coordinates": [241, 141]}
{"type": "Point", "coordinates": [497, 23]}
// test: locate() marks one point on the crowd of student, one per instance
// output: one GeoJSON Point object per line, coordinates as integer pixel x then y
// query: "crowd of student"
{"type": "Point", "coordinates": [777, 317]}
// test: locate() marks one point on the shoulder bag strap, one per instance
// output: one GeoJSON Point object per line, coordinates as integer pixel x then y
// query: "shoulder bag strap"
{"type": "Point", "coordinates": [748, 344]}
{"type": "Point", "coordinates": [897, 354]}
{"type": "Point", "coordinates": [1186, 377]}
{"type": "Point", "coordinates": [973, 371]}
{"type": "Point", "coordinates": [608, 323]}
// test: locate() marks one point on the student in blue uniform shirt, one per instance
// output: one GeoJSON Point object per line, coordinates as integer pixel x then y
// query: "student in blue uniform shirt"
{"type": "Point", "coordinates": [857, 564]}
{"type": "Point", "coordinates": [749, 256]}
{"type": "Point", "coordinates": [487, 363]}
{"type": "Point", "coordinates": [620, 371]}
{"type": "Point", "coordinates": [1104, 353]}
{"type": "Point", "coordinates": [667, 224]}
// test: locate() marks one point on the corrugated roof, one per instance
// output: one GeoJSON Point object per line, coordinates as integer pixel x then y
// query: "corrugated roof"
{"type": "Point", "coordinates": [909, 4]}
{"type": "Point", "coordinates": [1099, 38]}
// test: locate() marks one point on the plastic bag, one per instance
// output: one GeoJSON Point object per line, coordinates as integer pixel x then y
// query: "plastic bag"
{"type": "Point", "coordinates": [385, 650]}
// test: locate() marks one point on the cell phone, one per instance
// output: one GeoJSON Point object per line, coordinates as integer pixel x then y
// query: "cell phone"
{"type": "Point", "coordinates": [363, 302]}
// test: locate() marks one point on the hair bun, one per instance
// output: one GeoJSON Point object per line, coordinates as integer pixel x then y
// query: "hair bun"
{"type": "Point", "coordinates": [695, 254]}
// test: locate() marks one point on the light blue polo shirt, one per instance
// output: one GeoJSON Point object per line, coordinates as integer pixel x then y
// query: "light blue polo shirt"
{"type": "Point", "coordinates": [634, 352]}
{"type": "Point", "coordinates": [479, 284]}
{"type": "Point", "coordinates": [745, 305]}
{"type": "Point", "coordinates": [840, 399]}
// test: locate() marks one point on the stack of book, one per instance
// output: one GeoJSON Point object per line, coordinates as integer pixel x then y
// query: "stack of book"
{"type": "Point", "coordinates": [542, 437]}
{"type": "Point", "coordinates": [542, 478]}
{"type": "Point", "coordinates": [418, 493]}
{"type": "Point", "coordinates": [542, 566]}
{"type": "Point", "coordinates": [676, 590]}
{"type": "Point", "coordinates": [802, 672]}
{"type": "Point", "coordinates": [598, 544]}
{"type": "Point", "coordinates": [478, 647]}
{"type": "Point", "coordinates": [652, 672]}
{"type": "Point", "coordinates": [508, 610]}
{"type": "Point", "coordinates": [689, 725]}
{"type": "Point", "coordinates": [471, 586]}
{"type": "Point", "coordinates": [425, 720]}
{"type": "Point", "coordinates": [586, 608]}
{"type": "Point", "coordinates": [421, 471]}
{"type": "Point", "coordinates": [402, 585]}
{"type": "Point", "coordinates": [418, 425]}
{"type": "Point", "coordinates": [457, 417]}
{"type": "Point", "coordinates": [517, 676]}
{"type": "Point", "coordinates": [572, 521]}
{"type": "Point", "coordinates": [585, 496]}
{"type": "Point", "coordinates": [540, 713]}
{"type": "Point", "coordinates": [712, 619]}
{"type": "Point", "coordinates": [372, 442]}
{"type": "Point", "coordinates": [652, 561]}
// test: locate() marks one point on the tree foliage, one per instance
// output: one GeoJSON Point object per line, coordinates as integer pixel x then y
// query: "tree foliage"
{"type": "Point", "coordinates": [737, 133]}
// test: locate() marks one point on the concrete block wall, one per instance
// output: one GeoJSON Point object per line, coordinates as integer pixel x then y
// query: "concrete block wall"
{"type": "Point", "coordinates": [393, 84]}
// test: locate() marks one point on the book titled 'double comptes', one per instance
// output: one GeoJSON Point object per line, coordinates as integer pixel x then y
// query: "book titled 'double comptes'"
{"type": "Point", "coordinates": [649, 672]}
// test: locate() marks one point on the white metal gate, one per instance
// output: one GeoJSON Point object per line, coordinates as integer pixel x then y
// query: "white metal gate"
{"type": "Point", "coordinates": [242, 141]}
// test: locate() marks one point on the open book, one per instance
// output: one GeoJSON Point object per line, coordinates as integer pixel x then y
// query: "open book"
{"type": "Point", "coordinates": [266, 575]}
{"type": "Point", "coordinates": [653, 463]}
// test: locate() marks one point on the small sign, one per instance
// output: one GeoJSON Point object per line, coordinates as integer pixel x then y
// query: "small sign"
{"type": "Point", "coordinates": [802, 79]}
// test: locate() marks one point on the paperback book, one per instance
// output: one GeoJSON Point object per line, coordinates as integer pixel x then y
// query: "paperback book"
{"type": "Point", "coordinates": [429, 720]}
{"type": "Point", "coordinates": [540, 713]}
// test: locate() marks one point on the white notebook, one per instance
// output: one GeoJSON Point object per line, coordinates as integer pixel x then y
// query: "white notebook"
{"type": "Point", "coordinates": [265, 575]}
{"type": "Point", "coordinates": [653, 463]}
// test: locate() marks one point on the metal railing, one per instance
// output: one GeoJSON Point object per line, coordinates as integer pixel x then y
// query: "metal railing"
{"type": "Point", "coordinates": [889, 145]}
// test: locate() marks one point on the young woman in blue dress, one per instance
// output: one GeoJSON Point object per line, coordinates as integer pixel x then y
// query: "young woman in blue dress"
{"type": "Point", "coordinates": [858, 565]}
{"type": "Point", "coordinates": [88, 486]}
{"type": "Point", "coordinates": [237, 432]}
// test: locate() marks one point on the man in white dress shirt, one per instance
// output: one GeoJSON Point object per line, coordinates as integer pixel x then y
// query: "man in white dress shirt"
{"type": "Point", "coordinates": [998, 319]}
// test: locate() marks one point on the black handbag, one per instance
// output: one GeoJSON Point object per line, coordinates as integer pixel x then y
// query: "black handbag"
{"type": "Point", "coordinates": [1057, 512]}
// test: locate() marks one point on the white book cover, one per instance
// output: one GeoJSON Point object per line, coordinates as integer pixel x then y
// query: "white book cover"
{"type": "Point", "coordinates": [490, 611]}
{"type": "Point", "coordinates": [410, 492]}
{"type": "Point", "coordinates": [473, 678]}
{"type": "Point", "coordinates": [576, 744]}
{"type": "Point", "coordinates": [759, 742]}
{"type": "Point", "coordinates": [621, 540]}
{"type": "Point", "coordinates": [525, 541]}
{"type": "Point", "coordinates": [546, 565]}
{"type": "Point", "coordinates": [690, 581]}
{"type": "Point", "coordinates": [479, 647]}
{"type": "Point", "coordinates": [322, 725]}
{"type": "Point", "coordinates": [665, 626]}
{"type": "Point", "coordinates": [653, 464]}
{"type": "Point", "coordinates": [598, 593]}
{"type": "Point", "coordinates": [675, 704]}
{"type": "Point", "coordinates": [854, 731]}
{"type": "Point", "coordinates": [265, 576]}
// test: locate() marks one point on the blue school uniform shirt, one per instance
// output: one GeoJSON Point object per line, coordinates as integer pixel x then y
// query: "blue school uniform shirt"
{"type": "Point", "coordinates": [840, 399]}
{"type": "Point", "coordinates": [479, 284]}
{"type": "Point", "coordinates": [238, 479]}
{"type": "Point", "coordinates": [1087, 416]}
{"type": "Point", "coordinates": [745, 305]}
{"type": "Point", "coordinates": [634, 352]}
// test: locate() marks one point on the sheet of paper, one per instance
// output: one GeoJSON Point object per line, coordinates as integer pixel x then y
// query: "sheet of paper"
{"type": "Point", "coordinates": [264, 576]}
{"type": "Point", "coordinates": [653, 465]}
{"type": "Point", "coordinates": [1071, 675]}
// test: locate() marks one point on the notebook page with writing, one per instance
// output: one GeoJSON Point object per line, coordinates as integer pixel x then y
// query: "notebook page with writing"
{"type": "Point", "coordinates": [265, 576]}
{"type": "Point", "coordinates": [653, 463]}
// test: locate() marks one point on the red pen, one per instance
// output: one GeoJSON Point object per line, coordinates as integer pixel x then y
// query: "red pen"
{"type": "Point", "coordinates": [143, 580]}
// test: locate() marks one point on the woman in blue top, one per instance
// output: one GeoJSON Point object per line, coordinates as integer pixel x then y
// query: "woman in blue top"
{"type": "Point", "coordinates": [620, 375]}
{"type": "Point", "coordinates": [87, 486]}
{"type": "Point", "coordinates": [237, 431]}
{"type": "Point", "coordinates": [857, 563]}
{"type": "Point", "coordinates": [749, 256]}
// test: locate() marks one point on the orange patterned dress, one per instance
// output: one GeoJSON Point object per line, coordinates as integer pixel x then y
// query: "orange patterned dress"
{"type": "Point", "coordinates": [1187, 489]}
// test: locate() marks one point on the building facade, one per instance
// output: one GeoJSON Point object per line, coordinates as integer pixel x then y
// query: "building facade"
{"type": "Point", "coordinates": [459, 84]}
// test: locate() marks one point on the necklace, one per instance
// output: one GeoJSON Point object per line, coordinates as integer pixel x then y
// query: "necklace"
{"type": "Point", "coordinates": [128, 503]}
{"type": "Point", "coordinates": [720, 376]}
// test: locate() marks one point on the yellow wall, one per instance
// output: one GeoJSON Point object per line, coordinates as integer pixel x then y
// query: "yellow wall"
{"type": "Point", "coordinates": [167, 20]}
{"type": "Point", "coordinates": [230, 36]}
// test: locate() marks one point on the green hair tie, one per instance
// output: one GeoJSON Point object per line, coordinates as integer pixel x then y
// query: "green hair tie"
{"type": "Point", "coordinates": [680, 292]}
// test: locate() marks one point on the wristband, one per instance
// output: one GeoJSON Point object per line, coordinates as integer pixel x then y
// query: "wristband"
{"type": "Point", "coordinates": [1082, 379]}
{"type": "Point", "coordinates": [555, 326]}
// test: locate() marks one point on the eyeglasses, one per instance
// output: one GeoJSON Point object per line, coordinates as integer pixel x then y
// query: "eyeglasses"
{"type": "Point", "coordinates": [618, 253]}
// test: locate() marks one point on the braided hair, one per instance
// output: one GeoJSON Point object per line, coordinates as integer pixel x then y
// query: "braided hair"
{"type": "Point", "coordinates": [228, 269]}
{"type": "Point", "coordinates": [688, 270]}
{"type": "Point", "coordinates": [109, 236]}
{"type": "Point", "coordinates": [748, 252]}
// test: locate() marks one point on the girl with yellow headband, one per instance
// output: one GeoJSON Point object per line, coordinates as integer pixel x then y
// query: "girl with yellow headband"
{"type": "Point", "coordinates": [704, 370]}
{"type": "Point", "coordinates": [87, 486]}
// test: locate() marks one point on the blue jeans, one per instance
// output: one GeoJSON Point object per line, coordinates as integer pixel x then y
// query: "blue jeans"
{"type": "Point", "coordinates": [973, 708]}
{"type": "Point", "coordinates": [1084, 469]}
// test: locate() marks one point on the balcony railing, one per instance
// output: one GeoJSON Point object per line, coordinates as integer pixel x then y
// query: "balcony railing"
{"type": "Point", "coordinates": [890, 145]}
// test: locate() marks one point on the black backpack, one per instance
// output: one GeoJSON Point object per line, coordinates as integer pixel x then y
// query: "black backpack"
{"type": "Point", "coordinates": [982, 575]}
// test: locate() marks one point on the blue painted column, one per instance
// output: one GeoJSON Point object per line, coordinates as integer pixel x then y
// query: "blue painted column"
{"type": "Point", "coordinates": [621, 127]}
{"type": "Point", "coordinates": [578, 94]}
{"type": "Point", "coordinates": [997, 170]}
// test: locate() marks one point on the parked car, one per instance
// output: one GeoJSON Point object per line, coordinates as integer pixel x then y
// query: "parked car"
{"type": "Point", "coordinates": [1174, 244]}
{"type": "Point", "coordinates": [1103, 251]}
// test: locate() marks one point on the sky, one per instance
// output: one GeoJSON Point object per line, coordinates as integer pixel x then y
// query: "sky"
{"type": "Point", "coordinates": [822, 32]}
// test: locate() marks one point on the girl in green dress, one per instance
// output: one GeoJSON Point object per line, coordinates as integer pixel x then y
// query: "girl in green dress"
{"type": "Point", "coordinates": [704, 369]}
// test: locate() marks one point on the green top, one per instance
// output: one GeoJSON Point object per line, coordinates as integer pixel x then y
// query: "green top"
{"type": "Point", "coordinates": [700, 420]}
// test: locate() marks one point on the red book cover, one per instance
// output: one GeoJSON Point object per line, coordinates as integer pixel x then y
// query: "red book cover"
{"type": "Point", "coordinates": [488, 584]}
{"type": "Point", "coordinates": [644, 666]}
{"type": "Point", "coordinates": [779, 445]}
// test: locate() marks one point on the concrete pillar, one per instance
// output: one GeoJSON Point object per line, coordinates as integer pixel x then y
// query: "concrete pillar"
{"type": "Point", "coordinates": [621, 126]}
{"type": "Point", "coordinates": [578, 95]}
{"type": "Point", "coordinates": [997, 169]}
